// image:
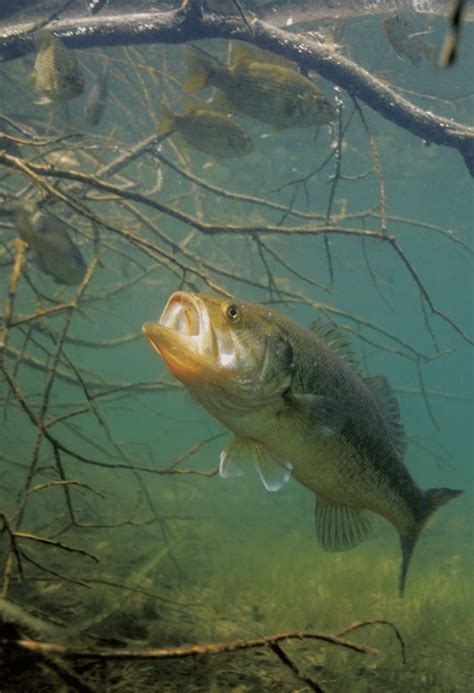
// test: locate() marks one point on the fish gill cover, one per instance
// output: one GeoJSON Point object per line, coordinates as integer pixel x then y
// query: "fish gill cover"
{"type": "Point", "coordinates": [294, 238]}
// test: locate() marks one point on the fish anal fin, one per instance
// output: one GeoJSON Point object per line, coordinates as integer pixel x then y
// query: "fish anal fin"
{"type": "Point", "coordinates": [383, 393]}
{"type": "Point", "coordinates": [335, 338]}
{"type": "Point", "coordinates": [340, 527]}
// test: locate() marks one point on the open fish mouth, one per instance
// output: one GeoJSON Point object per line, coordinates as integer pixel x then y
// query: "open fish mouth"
{"type": "Point", "coordinates": [186, 314]}
{"type": "Point", "coordinates": [184, 336]}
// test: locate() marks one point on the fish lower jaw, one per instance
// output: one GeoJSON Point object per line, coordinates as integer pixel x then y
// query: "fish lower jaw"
{"type": "Point", "coordinates": [190, 322]}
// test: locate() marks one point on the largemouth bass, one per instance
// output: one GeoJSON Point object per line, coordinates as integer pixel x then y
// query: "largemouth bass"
{"type": "Point", "coordinates": [297, 406]}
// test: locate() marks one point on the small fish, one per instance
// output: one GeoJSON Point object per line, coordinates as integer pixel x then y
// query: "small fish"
{"type": "Point", "coordinates": [56, 75]}
{"type": "Point", "coordinates": [298, 406]}
{"type": "Point", "coordinates": [207, 131]}
{"type": "Point", "coordinates": [55, 252]}
{"type": "Point", "coordinates": [262, 86]}
{"type": "Point", "coordinates": [449, 49]}
{"type": "Point", "coordinates": [407, 32]}
{"type": "Point", "coordinates": [96, 100]}
{"type": "Point", "coordinates": [283, 13]}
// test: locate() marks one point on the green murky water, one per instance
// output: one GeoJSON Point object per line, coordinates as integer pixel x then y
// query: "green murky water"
{"type": "Point", "coordinates": [116, 530]}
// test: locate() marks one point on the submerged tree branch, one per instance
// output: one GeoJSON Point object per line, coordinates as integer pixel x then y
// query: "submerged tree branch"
{"type": "Point", "coordinates": [187, 650]}
{"type": "Point", "coordinates": [189, 23]}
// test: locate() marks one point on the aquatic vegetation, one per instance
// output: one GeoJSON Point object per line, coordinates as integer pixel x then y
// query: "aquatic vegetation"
{"type": "Point", "coordinates": [126, 561]}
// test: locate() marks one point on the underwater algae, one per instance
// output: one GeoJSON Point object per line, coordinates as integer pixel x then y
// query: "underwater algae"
{"type": "Point", "coordinates": [127, 562]}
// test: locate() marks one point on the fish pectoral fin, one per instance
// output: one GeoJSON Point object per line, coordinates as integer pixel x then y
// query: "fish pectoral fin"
{"type": "Point", "coordinates": [273, 471]}
{"type": "Point", "coordinates": [234, 459]}
{"type": "Point", "coordinates": [340, 527]}
{"type": "Point", "coordinates": [323, 415]}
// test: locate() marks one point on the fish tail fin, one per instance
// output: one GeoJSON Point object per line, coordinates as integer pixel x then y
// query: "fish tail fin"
{"type": "Point", "coordinates": [407, 544]}
{"type": "Point", "coordinates": [43, 39]}
{"type": "Point", "coordinates": [434, 498]}
{"type": "Point", "coordinates": [200, 66]}
{"type": "Point", "coordinates": [167, 125]}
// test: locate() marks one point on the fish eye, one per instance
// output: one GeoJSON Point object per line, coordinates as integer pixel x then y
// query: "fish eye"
{"type": "Point", "coordinates": [232, 312]}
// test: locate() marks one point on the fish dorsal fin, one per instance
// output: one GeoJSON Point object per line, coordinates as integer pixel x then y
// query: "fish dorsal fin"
{"type": "Point", "coordinates": [240, 452]}
{"type": "Point", "coordinates": [383, 393]}
{"type": "Point", "coordinates": [335, 338]}
{"type": "Point", "coordinates": [340, 527]}
{"type": "Point", "coordinates": [243, 53]}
